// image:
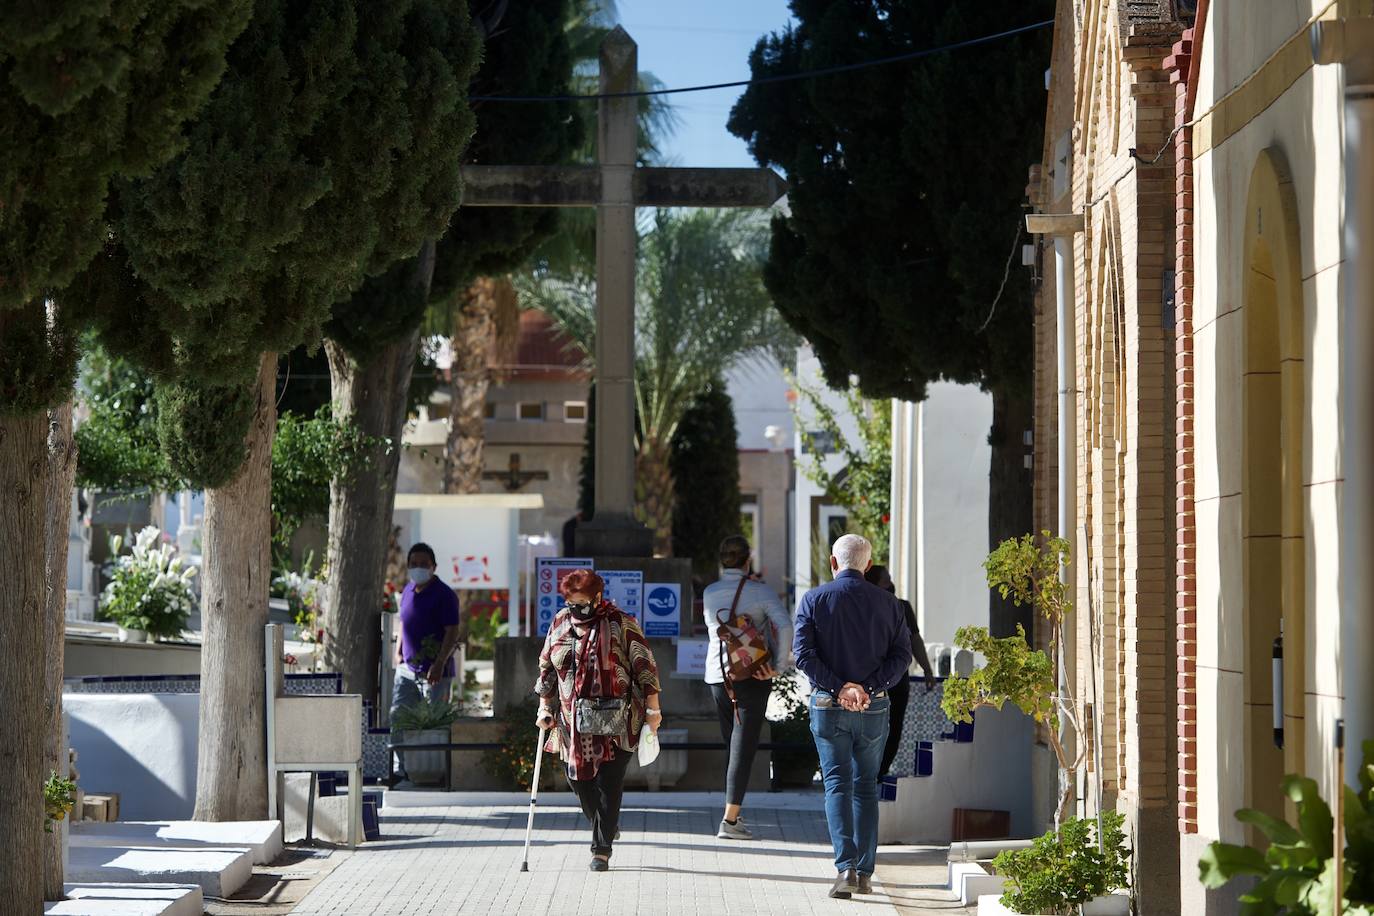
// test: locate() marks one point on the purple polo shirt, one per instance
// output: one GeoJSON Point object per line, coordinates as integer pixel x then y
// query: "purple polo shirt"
{"type": "Point", "coordinates": [424, 614]}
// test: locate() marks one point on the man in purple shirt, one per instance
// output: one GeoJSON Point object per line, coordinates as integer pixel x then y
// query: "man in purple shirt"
{"type": "Point", "coordinates": [853, 644]}
{"type": "Point", "coordinates": [430, 630]}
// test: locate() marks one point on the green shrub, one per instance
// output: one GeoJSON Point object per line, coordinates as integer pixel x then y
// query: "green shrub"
{"type": "Point", "coordinates": [150, 590]}
{"type": "Point", "coordinates": [1297, 872]}
{"type": "Point", "coordinates": [483, 631]}
{"type": "Point", "coordinates": [1066, 869]}
{"type": "Point", "coordinates": [424, 716]}
{"type": "Point", "coordinates": [59, 797]}
{"type": "Point", "coordinates": [513, 761]}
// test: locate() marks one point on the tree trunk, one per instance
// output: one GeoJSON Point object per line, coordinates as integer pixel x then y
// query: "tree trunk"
{"type": "Point", "coordinates": [231, 774]}
{"type": "Point", "coordinates": [654, 493]}
{"type": "Point", "coordinates": [373, 397]}
{"type": "Point", "coordinates": [473, 341]}
{"type": "Point", "coordinates": [1009, 496]}
{"type": "Point", "coordinates": [61, 475]}
{"type": "Point", "coordinates": [23, 727]}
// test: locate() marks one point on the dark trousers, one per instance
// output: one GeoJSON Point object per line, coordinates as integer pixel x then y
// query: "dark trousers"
{"type": "Point", "coordinates": [742, 737]}
{"type": "Point", "coordinates": [600, 797]}
{"type": "Point", "coordinates": [900, 693]}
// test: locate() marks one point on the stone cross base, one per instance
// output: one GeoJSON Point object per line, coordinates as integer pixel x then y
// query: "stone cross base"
{"type": "Point", "coordinates": [608, 535]}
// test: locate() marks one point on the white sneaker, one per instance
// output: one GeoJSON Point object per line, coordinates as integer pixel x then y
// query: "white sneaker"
{"type": "Point", "coordinates": [735, 831]}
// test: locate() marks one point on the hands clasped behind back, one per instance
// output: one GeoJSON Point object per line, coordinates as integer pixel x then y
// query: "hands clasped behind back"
{"type": "Point", "coordinates": [853, 697]}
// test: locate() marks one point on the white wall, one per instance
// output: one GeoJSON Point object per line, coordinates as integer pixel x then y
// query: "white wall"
{"type": "Point", "coordinates": [141, 745]}
{"type": "Point", "coordinates": [954, 459]}
{"type": "Point", "coordinates": [759, 391]}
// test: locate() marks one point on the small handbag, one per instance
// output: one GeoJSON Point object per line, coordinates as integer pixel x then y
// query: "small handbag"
{"type": "Point", "coordinates": [597, 715]}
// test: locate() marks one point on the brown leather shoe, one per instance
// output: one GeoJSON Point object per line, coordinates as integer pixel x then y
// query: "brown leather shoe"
{"type": "Point", "coordinates": [865, 884]}
{"type": "Point", "coordinates": [851, 877]}
{"type": "Point", "coordinates": [841, 889]}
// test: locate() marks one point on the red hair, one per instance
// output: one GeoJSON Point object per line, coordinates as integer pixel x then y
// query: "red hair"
{"type": "Point", "coordinates": [581, 580]}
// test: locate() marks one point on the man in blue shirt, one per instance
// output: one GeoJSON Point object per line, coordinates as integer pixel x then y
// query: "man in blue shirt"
{"type": "Point", "coordinates": [852, 642]}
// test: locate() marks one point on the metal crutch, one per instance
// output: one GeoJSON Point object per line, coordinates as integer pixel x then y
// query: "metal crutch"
{"type": "Point", "coordinates": [534, 796]}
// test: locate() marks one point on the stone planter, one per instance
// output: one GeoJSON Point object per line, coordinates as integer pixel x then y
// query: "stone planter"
{"type": "Point", "coordinates": [425, 767]}
{"type": "Point", "coordinates": [794, 770]}
{"type": "Point", "coordinates": [1117, 904]}
{"type": "Point", "coordinates": [127, 635]}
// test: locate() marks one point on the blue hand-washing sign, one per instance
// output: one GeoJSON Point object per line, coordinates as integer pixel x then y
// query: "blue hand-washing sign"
{"type": "Point", "coordinates": [663, 605]}
{"type": "Point", "coordinates": [663, 601]}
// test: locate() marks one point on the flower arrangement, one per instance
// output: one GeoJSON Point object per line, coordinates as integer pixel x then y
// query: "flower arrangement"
{"type": "Point", "coordinates": [304, 594]}
{"type": "Point", "coordinates": [150, 589]}
{"type": "Point", "coordinates": [59, 797]}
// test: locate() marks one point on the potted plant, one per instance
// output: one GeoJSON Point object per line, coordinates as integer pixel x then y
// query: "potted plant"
{"type": "Point", "coordinates": [1070, 870]}
{"type": "Point", "coordinates": [425, 722]}
{"type": "Point", "coordinates": [1028, 572]}
{"type": "Point", "coordinates": [59, 797]}
{"type": "Point", "coordinates": [793, 768]}
{"type": "Point", "coordinates": [150, 592]}
{"type": "Point", "coordinates": [1296, 873]}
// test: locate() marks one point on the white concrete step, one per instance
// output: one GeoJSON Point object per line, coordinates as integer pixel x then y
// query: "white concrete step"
{"type": "Point", "coordinates": [219, 872]}
{"type": "Point", "coordinates": [262, 837]}
{"type": "Point", "coordinates": [128, 900]}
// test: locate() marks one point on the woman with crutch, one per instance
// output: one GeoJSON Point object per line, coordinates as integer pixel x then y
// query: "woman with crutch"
{"type": "Point", "coordinates": [598, 688]}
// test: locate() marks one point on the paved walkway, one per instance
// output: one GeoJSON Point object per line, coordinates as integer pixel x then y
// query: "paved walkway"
{"type": "Point", "coordinates": [668, 861]}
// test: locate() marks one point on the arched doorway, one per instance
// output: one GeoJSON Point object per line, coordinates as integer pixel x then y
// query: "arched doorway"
{"type": "Point", "coordinates": [1272, 482]}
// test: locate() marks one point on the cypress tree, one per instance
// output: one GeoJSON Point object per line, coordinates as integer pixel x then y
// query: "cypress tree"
{"type": "Point", "coordinates": [329, 151]}
{"type": "Point", "coordinates": [373, 335]}
{"type": "Point", "coordinates": [705, 464]}
{"type": "Point", "coordinates": [88, 91]}
{"type": "Point", "coordinates": [905, 193]}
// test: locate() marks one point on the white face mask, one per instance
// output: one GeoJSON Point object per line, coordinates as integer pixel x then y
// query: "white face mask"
{"type": "Point", "coordinates": [419, 575]}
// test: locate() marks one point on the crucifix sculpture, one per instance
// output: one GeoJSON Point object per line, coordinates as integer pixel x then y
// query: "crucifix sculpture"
{"type": "Point", "coordinates": [615, 186]}
{"type": "Point", "coordinates": [513, 478]}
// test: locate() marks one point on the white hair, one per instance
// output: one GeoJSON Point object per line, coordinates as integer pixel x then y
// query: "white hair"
{"type": "Point", "coordinates": [852, 552]}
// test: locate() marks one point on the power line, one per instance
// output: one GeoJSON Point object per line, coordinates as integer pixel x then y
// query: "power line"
{"type": "Point", "coordinates": [781, 78]}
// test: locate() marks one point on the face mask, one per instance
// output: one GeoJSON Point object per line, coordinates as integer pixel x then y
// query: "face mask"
{"type": "Point", "coordinates": [419, 575]}
{"type": "Point", "coordinates": [582, 611]}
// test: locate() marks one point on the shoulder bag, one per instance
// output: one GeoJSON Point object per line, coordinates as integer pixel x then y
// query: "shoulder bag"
{"type": "Point", "coordinates": [743, 649]}
{"type": "Point", "coordinates": [596, 715]}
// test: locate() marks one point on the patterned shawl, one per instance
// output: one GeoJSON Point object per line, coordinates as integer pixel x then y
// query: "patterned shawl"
{"type": "Point", "coordinates": [612, 660]}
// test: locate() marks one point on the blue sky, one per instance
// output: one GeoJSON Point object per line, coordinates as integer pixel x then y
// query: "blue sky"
{"type": "Point", "coordinates": [695, 42]}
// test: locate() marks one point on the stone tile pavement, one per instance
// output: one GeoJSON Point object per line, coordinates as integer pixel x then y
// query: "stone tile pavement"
{"type": "Point", "coordinates": [466, 858]}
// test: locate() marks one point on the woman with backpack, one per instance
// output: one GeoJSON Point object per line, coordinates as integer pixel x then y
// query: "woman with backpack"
{"type": "Point", "coordinates": [598, 688]}
{"type": "Point", "coordinates": [749, 642]}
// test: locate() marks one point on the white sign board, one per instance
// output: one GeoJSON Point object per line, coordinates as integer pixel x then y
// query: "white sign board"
{"type": "Point", "coordinates": [549, 572]}
{"type": "Point", "coordinates": [474, 537]}
{"type": "Point", "coordinates": [691, 656]}
{"type": "Point", "coordinates": [662, 608]}
{"type": "Point", "coordinates": [625, 589]}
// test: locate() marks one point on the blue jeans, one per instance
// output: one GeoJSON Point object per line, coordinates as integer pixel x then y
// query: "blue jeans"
{"type": "Point", "coordinates": [850, 745]}
{"type": "Point", "coordinates": [408, 689]}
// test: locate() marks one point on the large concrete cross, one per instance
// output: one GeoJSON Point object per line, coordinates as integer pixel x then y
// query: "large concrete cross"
{"type": "Point", "coordinates": [615, 186]}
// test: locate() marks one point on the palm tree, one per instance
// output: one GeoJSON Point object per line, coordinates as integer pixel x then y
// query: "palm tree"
{"type": "Point", "coordinates": [700, 310]}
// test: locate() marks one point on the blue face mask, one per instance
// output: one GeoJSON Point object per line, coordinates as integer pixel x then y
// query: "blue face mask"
{"type": "Point", "coordinates": [419, 575]}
